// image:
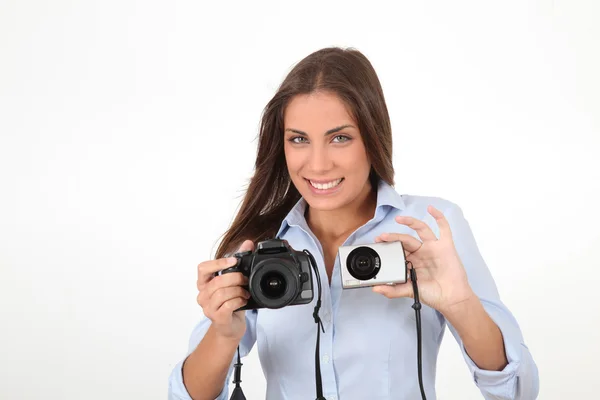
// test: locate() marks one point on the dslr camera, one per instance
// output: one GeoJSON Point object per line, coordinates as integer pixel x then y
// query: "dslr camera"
{"type": "Point", "coordinates": [278, 275]}
{"type": "Point", "coordinates": [372, 264]}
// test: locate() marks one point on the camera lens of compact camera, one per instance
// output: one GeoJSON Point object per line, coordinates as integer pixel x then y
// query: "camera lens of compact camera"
{"type": "Point", "coordinates": [273, 283]}
{"type": "Point", "coordinates": [363, 263]}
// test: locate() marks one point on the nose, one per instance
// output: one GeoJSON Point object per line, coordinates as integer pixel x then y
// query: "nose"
{"type": "Point", "coordinates": [320, 160]}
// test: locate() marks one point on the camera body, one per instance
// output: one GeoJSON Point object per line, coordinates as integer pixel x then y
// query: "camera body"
{"type": "Point", "coordinates": [278, 275]}
{"type": "Point", "coordinates": [372, 264]}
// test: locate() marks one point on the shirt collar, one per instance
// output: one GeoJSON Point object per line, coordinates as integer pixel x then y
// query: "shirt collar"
{"type": "Point", "coordinates": [387, 196]}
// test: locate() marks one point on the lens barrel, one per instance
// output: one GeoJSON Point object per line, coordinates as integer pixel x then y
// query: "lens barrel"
{"type": "Point", "coordinates": [274, 283]}
{"type": "Point", "coordinates": [363, 263]}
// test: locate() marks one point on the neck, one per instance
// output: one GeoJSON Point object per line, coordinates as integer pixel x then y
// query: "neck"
{"type": "Point", "coordinates": [335, 224]}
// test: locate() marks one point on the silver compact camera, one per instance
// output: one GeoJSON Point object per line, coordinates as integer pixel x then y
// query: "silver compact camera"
{"type": "Point", "coordinates": [372, 264]}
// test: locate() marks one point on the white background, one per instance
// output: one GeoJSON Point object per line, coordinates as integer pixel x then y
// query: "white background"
{"type": "Point", "coordinates": [127, 136]}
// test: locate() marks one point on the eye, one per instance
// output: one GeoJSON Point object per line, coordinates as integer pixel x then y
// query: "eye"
{"type": "Point", "coordinates": [297, 139]}
{"type": "Point", "coordinates": [341, 138]}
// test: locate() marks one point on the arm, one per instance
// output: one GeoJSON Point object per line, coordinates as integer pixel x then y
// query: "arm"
{"type": "Point", "coordinates": [206, 371]}
{"type": "Point", "coordinates": [490, 337]}
{"type": "Point", "coordinates": [481, 337]}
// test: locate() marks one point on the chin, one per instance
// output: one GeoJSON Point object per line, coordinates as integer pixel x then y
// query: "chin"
{"type": "Point", "coordinates": [326, 204]}
{"type": "Point", "coordinates": [323, 205]}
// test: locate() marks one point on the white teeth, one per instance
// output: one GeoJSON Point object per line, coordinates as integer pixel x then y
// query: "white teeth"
{"type": "Point", "coordinates": [323, 186]}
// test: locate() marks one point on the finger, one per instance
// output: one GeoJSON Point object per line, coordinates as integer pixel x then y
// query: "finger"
{"type": "Point", "coordinates": [395, 291]}
{"type": "Point", "coordinates": [410, 243]}
{"type": "Point", "coordinates": [207, 269]}
{"type": "Point", "coordinates": [422, 229]}
{"type": "Point", "coordinates": [231, 305]}
{"type": "Point", "coordinates": [213, 301]}
{"type": "Point", "coordinates": [224, 294]}
{"type": "Point", "coordinates": [442, 222]}
{"type": "Point", "coordinates": [231, 279]}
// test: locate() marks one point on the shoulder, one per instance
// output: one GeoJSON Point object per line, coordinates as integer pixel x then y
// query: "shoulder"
{"type": "Point", "coordinates": [414, 205]}
{"type": "Point", "coordinates": [418, 204]}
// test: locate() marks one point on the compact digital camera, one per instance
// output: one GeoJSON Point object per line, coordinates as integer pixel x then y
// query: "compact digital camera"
{"type": "Point", "coordinates": [278, 275]}
{"type": "Point", "coordinates": [372, 264]}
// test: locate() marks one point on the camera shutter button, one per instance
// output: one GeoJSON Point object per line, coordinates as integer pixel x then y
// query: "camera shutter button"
{"type": "Point", "coordinates": [242, 254]}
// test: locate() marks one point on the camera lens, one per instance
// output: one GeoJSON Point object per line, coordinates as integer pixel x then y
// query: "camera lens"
{"type": "Point", "coordinates": [363, 263]}
{"type": "Point", "coordinates": [273, 284]}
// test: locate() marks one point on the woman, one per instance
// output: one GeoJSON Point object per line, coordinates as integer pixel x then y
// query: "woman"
{"type": "Point", "coordinates": [323, 179]}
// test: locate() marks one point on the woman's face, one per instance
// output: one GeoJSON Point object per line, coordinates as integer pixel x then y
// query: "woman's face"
{"type": "Point", "coordinates": [324, 152]}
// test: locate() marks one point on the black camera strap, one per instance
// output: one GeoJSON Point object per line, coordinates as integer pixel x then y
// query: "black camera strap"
{"type": "Point", "coordinates": [417, 307]}
{"type": "Point", "coordinates": [319, 323]}
{"type": "Point", "coordinates": [237, 393]}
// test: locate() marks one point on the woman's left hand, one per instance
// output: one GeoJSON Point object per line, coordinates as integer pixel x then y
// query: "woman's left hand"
{"type": "Point", "coordinates": [441, 277]}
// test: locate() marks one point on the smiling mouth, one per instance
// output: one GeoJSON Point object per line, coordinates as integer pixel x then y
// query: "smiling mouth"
{"type": "Point", "coordinates": [325, 185]}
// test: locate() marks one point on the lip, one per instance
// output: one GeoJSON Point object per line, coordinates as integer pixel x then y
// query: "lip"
{"type": "Point", "coordinates": [321, 192]}
{"type": "Point", "coordinates": [322, 180]}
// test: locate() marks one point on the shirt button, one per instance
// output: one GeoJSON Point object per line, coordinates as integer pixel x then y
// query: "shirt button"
{"type": "Point", "coordinates": [327, 317]}
{"type": "Point", "coordinates": [332, 398]}
{"type": "Point", "coordinates": [325, 359]}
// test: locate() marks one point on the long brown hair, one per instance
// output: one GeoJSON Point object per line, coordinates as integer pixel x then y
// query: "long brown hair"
{"type": "Point", "coordinates": [271, 194]}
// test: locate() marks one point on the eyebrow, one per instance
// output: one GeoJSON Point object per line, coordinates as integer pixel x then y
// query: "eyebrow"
{"type": "Point", "coordinates": [329, 132]}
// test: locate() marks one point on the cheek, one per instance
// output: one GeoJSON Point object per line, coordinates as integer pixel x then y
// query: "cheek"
{"type": "Point", "coordinates": [356, 159]}
{"type": "Point", "coordinates": [296, 158]}
{"type": "Point", "coordinates": [291, 159]}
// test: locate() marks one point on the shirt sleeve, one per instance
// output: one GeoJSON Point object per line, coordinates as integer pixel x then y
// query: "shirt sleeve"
{"type": "Point", "coordinates": [519, 380]}
{"type": "Point", "coordinates": [177, 389]}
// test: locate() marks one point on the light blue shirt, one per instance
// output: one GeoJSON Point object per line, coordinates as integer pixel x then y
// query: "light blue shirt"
{"type": "Point", "coordinates": [368, 350]}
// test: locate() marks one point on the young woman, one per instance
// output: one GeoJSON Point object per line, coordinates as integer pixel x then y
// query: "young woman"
{"type": "Point", "coordinates": [324, 179]}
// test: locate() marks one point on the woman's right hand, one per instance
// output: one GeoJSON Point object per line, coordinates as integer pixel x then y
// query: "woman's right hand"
{"type": "Point", "coordinates": [219, 296]}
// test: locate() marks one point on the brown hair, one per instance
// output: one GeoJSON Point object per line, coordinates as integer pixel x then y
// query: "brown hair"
{"type": "Point", "coordinates": [271, 194]}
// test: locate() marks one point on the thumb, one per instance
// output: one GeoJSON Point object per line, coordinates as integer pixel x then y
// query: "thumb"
{"type": "Point", "coordinates": [248, 245]}
{"type": "Point", "coordinates": [399, 290]}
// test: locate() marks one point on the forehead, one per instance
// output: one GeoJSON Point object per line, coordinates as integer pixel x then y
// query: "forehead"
{"type": "Point", "coordinates": [316, 111]}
